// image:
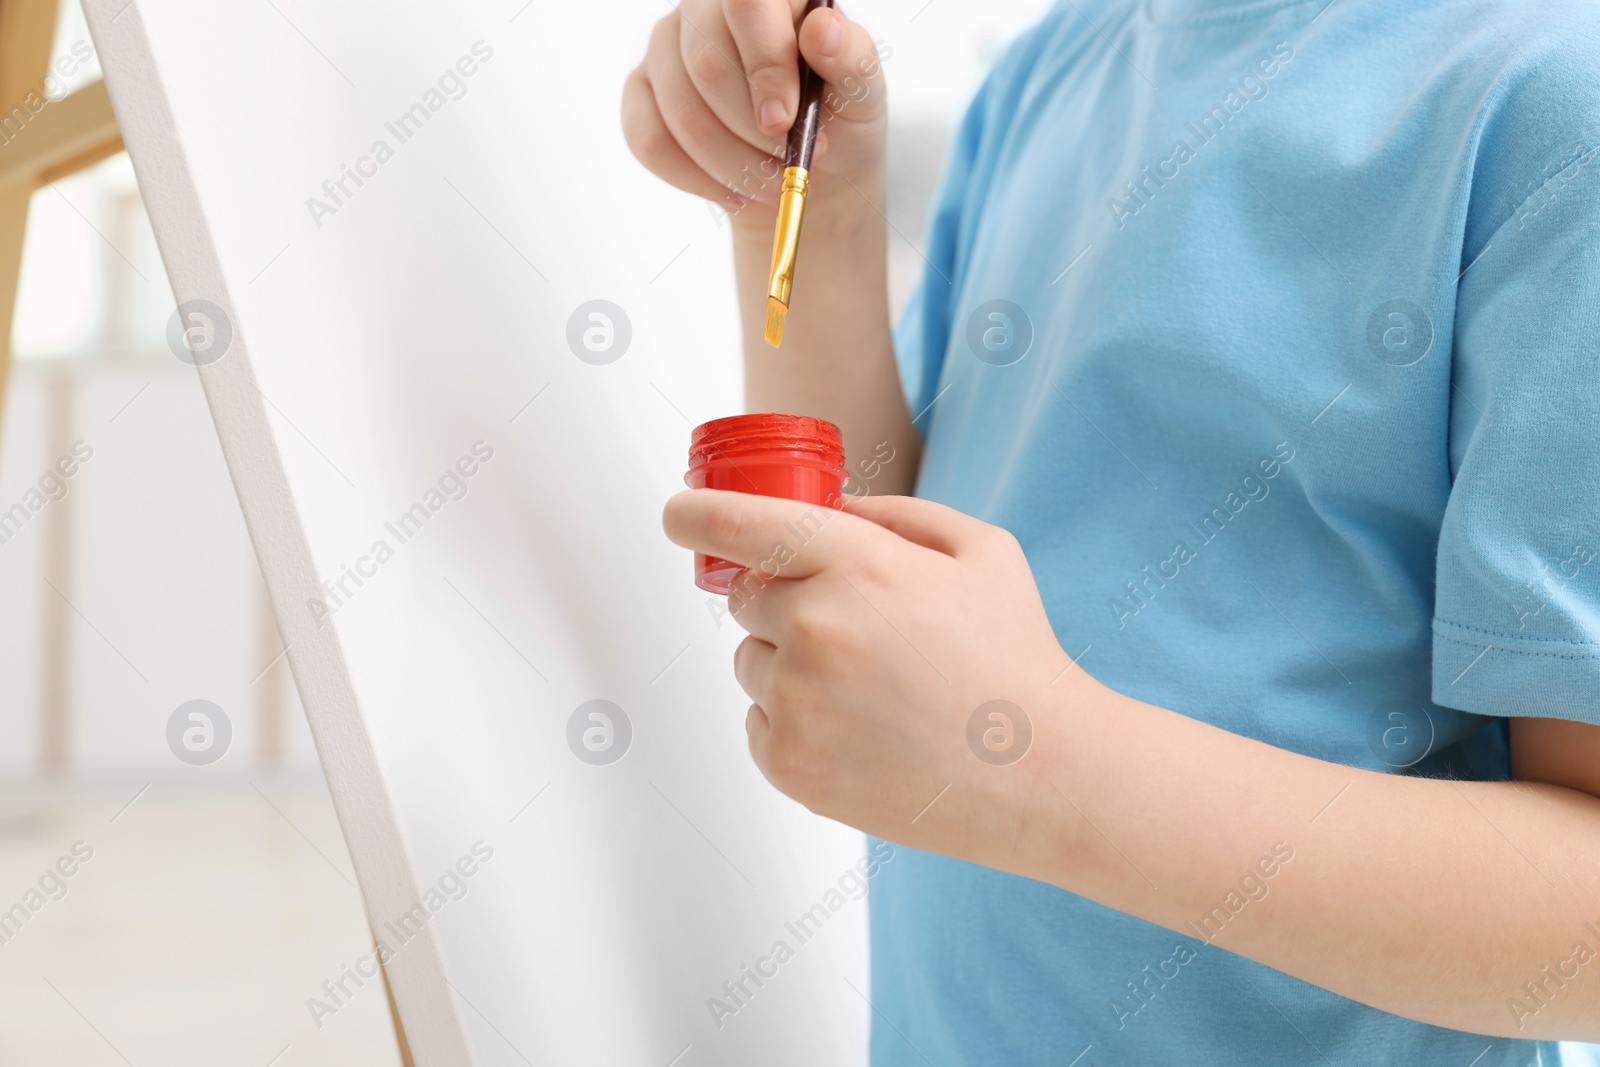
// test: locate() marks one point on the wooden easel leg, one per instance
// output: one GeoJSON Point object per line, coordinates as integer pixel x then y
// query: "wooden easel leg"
{"type": "Point", "coordinates": [13, 227]}
{"type": "Point", "coordinates": [55, 632]}
{"type": "Point", "coordinates": [27, 30]}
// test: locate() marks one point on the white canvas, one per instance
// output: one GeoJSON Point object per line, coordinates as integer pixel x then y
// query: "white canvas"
{"type": "Point", "coordinates": [378, 336]}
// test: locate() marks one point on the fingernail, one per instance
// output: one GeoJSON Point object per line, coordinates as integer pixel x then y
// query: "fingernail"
{"type": "Point", "coordinates": [833, 40]}
{"type": "Point", "coordinates": [773, 113]}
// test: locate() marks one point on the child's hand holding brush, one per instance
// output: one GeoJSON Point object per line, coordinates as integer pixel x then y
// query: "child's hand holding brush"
{"type": "Point", "coordinates": [710, 110]}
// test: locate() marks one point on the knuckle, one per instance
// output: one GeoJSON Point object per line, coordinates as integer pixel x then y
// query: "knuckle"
{"type": "Point", "coordinates": [648, 140]}
{"type": "Point", "coordinates": [874, 566]}
{"type": "Point", "coordinates": [650, 146]}
{"type": "Point", "coordinates": [789, 765]}
{"type": "Point", "coordinates": [745, 673]}
{"type": "Point", "coordinates": [707, 66]}
{"type": "Point", "coordinates": [769, 72]}
{"type": "Point", "coordinates": [785, 691]}
{"type": "Point", "coordinates": [1003, 541]}
{"type": "Point", "coordinates": [726, 525]}
{"type": "Point", "coordinates": [740, 11]}
{"type": "Point", "coordinates": [696, 123]}
{"type": "Point", "coordinates": [664, 33]}
{"type": "Point", "coordinates": [812, 627]}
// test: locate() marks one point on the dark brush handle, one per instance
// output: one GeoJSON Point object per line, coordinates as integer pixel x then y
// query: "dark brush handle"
{"type": "Point", "coordinates": [803, 134]}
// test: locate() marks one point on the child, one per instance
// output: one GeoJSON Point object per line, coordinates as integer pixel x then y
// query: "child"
{"type": "Point", "coordinates": [1233, 677]}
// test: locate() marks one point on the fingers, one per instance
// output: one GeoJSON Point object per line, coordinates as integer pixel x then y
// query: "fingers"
{"type": "Point", "coordinates": [771, 536]}
{"type": "Point", "coordinates": [758, 732]}
{"type": "Point", "coordinates": [652, 144]}
{"type": "Point", "coordinates": [764, 609]}
{"type": "Point", "coordinates": [925, 522]}
{"type": "Point", "coordinates": [844, 54]}
{"type": "Point", "coordinates": [752, 668]}
{"type": "Point", "coordinates": [763, 31]}
{"type": "Point", "coordinates": [729, 160]}
{"type": "Point", "coordinates": [709, 108]}
{"type": "Point", "coordinates": [711, 57]}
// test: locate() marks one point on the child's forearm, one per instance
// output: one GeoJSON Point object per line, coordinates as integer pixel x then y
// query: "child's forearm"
{"type": "Point", "coordinates": [896, 668]}
{"type": "Point", "coordinates": [1470, 905]}
{"type": "Point", "coordinates": [837, 360]}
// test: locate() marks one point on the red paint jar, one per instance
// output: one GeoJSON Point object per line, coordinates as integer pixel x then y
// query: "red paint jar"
{"type": "Point", "coordinates": [791, 456]}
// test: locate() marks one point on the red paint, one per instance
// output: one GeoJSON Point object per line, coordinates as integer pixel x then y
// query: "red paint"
{"type": "Point", "coordinates": [789, 456]}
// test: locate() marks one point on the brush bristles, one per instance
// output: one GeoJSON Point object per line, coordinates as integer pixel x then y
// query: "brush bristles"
{"type": "Point", "coordinates": [777, 312]}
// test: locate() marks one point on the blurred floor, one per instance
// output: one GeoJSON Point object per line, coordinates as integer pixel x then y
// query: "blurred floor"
{"type": "Point", "coordinates": [194, 934]}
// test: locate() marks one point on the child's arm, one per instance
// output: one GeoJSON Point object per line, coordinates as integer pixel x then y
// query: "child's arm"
{"type": "Point", "coordinates": [1457, 903]}
{"type": "Point", "coordinates": [705, 111]}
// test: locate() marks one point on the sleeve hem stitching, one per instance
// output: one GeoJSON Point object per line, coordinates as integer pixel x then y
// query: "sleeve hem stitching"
{"type": "Point", "coordinates": [1516, 637]}
{"type": "Point", "coordinates": [1521, 652]}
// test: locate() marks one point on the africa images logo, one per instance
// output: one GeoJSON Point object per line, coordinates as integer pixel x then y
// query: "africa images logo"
{"type": "Point", "coordinates": [199, 733]}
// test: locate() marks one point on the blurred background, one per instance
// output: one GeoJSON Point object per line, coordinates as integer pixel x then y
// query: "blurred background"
{"type": "Point", "coordinates": [216, 898]}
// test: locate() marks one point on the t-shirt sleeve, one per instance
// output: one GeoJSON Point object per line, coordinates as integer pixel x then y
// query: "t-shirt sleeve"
{"type": "Point", "coordinates": [1516, 626]}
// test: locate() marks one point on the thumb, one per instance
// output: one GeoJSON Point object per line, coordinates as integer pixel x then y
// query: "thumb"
{"type": "Point", "coordinates": [921, 522]}
{"type": "Point", "coordinates": [844, 54]}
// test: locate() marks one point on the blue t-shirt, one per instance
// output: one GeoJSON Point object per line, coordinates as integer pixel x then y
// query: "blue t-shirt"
{"type": "Point", "coordinates": [1272, 330]}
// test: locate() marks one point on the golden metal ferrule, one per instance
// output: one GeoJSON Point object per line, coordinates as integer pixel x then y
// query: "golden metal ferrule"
{"type": "Point", "coordinates": [786, 242]}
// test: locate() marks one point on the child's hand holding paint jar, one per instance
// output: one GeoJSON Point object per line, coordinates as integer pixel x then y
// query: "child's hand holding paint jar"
{"type": "Point", "coordinates": [890, 642]}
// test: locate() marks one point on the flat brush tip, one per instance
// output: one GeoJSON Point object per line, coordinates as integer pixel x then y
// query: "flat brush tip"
{"type": "Point", "coordinates": [777, 312]}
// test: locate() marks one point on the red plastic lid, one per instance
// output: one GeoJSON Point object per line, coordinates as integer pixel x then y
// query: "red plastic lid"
{"type": "Point", "coordinates": [747, 435]}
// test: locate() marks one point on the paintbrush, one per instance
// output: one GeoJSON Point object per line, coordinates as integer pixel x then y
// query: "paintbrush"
{"type": "Point", "coordinates": [792, 200]}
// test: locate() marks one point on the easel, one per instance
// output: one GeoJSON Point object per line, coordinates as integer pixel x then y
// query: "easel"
{"type": "Point", "coordinates": [60, 139]}
{"type": "Point", "coordinates": [63, 138]}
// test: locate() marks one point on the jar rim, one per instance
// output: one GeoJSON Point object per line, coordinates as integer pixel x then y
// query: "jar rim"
{"type": "Point", "coordinates": [766, 432]}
